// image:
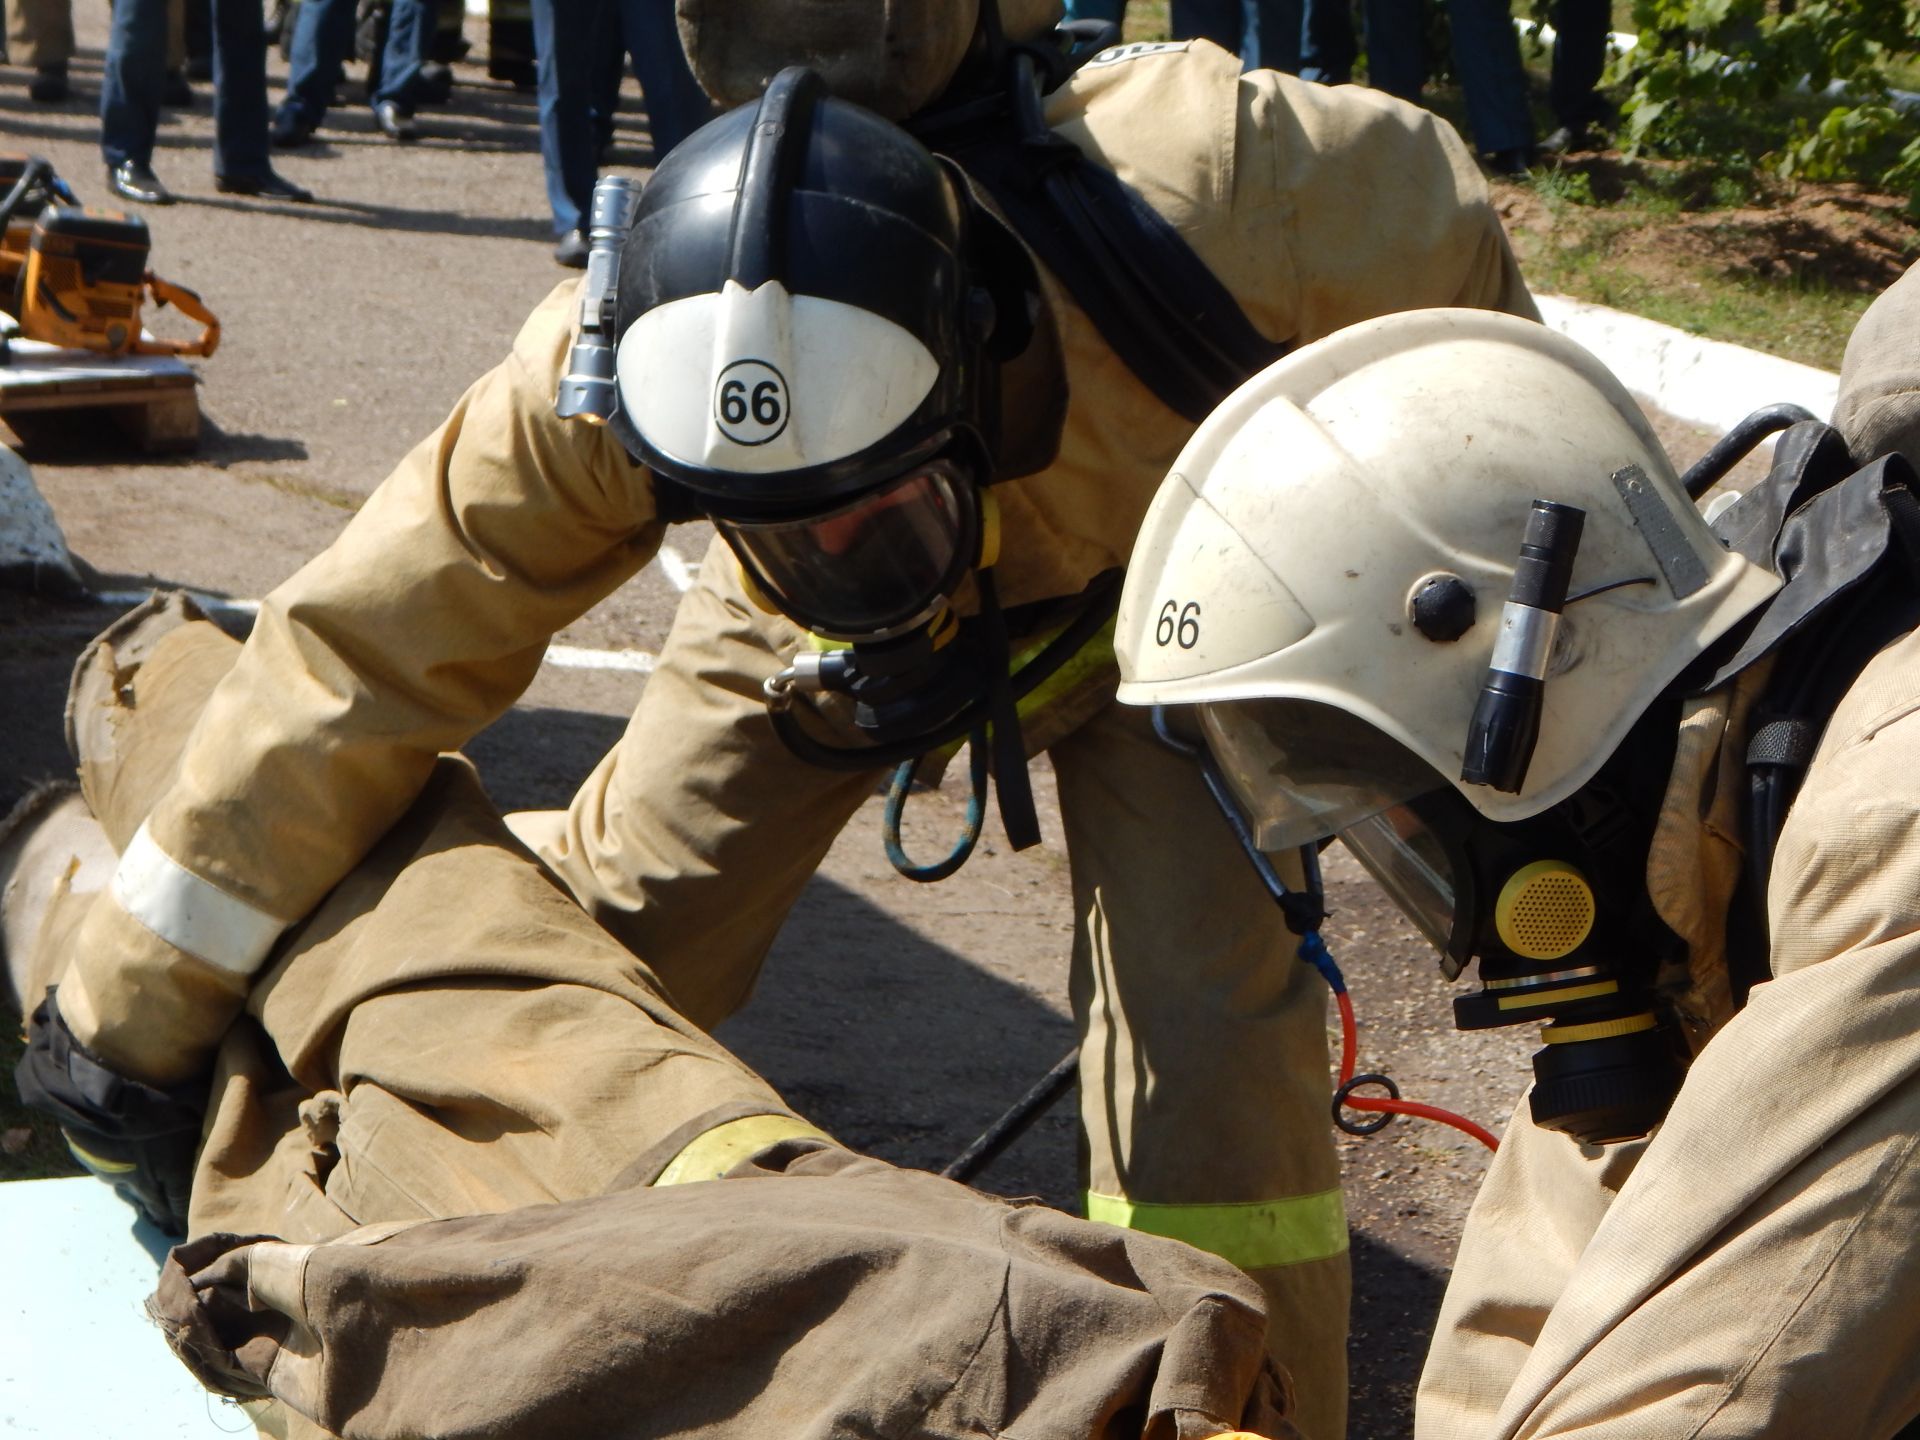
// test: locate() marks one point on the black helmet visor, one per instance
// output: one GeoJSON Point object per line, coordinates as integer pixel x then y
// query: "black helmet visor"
{"type": "Point", "coordinates": [873, 566]}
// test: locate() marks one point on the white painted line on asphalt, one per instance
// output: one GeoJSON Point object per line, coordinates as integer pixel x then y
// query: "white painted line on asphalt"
{"type": "Point", "coordinates": [212, 604]}
{"type": "Point", "coordinates": [579, 657]}
{"type": "Point", "coordinates": [566, 657]}
{"type": "Point", "coordinates": [1705, 382]}
{"type": "Point", "coordinates": [680, 574]}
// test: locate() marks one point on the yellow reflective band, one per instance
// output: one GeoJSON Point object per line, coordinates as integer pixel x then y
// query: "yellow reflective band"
{"type": "Point", "coordinates": [1543, 998]}
{"type": "Point", "coordinates": [1255, 1236]}
{"type": "Point", "coordinates": [711, 1155]}
{"type": "Point", "coordinates": [1597, 1030]}
{"type": "Point", "coordinates": [98, 1164]}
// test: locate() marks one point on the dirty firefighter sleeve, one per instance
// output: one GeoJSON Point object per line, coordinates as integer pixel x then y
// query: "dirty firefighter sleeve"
{"type": "Point", "coordinates": [1752, 1273]}
{"type": "Point", "coordinates": [811, 1294]}
{"type": "Point", "coordinates": [421, 623]}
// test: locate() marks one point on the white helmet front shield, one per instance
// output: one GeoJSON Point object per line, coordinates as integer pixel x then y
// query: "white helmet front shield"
{"type": "Point", "coordinates": [761, 382]}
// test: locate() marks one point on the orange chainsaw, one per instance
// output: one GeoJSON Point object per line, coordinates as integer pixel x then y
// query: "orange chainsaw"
{"type": "Point", "coordinates": [78, 277]}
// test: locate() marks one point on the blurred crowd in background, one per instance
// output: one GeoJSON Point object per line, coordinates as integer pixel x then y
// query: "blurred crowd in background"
{"type": "Point", "coordinates": [574, 52]}
{"type": "Point", "coordinates": [1320, 40]}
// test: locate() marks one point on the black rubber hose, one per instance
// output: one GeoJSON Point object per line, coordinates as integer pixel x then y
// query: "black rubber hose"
{"type": "Point", "coordinates": [1731, 448]}
{"type": "Point", "coordinates": [1017, 1121]}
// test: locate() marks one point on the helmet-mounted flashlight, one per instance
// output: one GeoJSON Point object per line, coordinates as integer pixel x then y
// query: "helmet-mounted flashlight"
{"type": "Point", "coordinates": [1506, 719]}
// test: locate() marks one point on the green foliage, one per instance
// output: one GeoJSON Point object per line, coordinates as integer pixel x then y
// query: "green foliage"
{"type": "Point", "coordinates": [1799, 88]}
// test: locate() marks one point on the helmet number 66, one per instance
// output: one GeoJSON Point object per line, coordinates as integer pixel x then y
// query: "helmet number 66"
{"type": "Point", "coordinates": [750, 402]}
{"type": "Point", "coordinates": [1178, 624]}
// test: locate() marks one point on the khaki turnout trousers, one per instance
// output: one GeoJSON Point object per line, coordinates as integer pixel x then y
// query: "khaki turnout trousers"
{"type": "Point", "coordinates": [39, 32]}
{"type": "Point", "coordinates": [1203, 1063]}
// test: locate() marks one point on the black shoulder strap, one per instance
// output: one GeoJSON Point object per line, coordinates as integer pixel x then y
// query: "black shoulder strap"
{"type": "Point", "coordinates": [1154, 301]}
{"type": "Point", "coordinates": [1870, 602]}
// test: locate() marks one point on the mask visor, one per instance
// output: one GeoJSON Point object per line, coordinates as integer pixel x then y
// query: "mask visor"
{"type": "Point", "coordinates": [873, 566]}
{"type": "Point", "coordinates": [1303, 771]}
{"type": "Point", "coordinates": [1397, 849]}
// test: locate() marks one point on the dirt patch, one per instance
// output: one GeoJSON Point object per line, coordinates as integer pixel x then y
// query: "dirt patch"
{"type": "Point", "coordinates": [1663, 225]}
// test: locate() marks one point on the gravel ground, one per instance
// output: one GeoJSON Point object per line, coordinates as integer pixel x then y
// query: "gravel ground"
{"type": "Point", "coordinates": [903, 1017]}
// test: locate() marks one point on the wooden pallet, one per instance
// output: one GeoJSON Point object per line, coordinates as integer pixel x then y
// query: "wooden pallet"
{"type": "Point", "coordinates": [152, 398]}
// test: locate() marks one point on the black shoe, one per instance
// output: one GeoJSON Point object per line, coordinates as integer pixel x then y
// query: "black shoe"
{"type": "Point", "coordinates": [393, 122]}
{"type": "Point", "coordinates": [435, 83]}
{"type": "Point", "coordinates": [1568, 139]}
{"type": "Point", "coordinates": [49, 84]}
{"type": "Point", "coordinates": [572, 250]}
{"type": "Point", "coordinates": [131, 180]}
{"type": "Point", "coordinates": [1511, 163]}
{"type": "Point", "coordinates": [290, 130]}
{"type": "Point", "coordinates": [175, 92]}
{"type": "Point", "coordinates": [264, 186]}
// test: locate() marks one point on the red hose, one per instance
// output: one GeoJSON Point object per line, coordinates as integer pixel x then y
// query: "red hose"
{"type": "Point", "coordinates": [1349, 1045]}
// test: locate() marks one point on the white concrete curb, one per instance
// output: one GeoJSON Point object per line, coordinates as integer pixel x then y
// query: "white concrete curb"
{"type": "Point", "coordinates": [1704, 382]}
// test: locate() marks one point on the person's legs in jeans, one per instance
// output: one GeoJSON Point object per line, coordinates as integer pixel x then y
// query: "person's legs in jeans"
{"type": "Point", "coordinates": [609, 70]}
{"type": "Point", "coordinates": [135, 71]}
{"type": "Point", "coordinates": [409, 34]}
{"type": "Point", "coordinates": [1579, 56]}
{"type": "Point", "coordinates": [1327, 45]}
{"type": "Point", "coordinates": [239, 89]}
{"type": "Point", "coordinates": [322, 36]}
{"type": "Point", "coordinates": [1270, 35]}
{"type": "Point", "coordinates": [1486, 54]}
{"type": "Point", "coordinates": [563, 42]}
{"type": "Point", "coordinates": [1220, 21]}
{"type": "Point", "coordinates": [1397, 47]}
{"type": "Point", "coordinates": [676, 105]}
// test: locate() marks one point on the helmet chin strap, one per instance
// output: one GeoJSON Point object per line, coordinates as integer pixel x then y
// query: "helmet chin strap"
{"type": "Point", "coordinates": [1009, 751]}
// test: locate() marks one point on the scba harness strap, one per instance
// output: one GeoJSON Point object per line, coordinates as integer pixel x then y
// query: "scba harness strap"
{"type": "Point", "coordinates": [1845, 539]}
{"type": "Point", "coordinates": [1153, 300]}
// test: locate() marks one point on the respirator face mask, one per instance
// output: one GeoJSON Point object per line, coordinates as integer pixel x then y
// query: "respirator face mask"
{"type": "Point", "coordinates": [1553, 909]}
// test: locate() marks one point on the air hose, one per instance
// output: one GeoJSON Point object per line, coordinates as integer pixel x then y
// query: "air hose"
{"type": "Point", "coordinates": [1305, 910]}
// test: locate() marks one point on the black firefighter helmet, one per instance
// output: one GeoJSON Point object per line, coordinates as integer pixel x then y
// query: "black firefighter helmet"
{"type": "Point", "coordinates": [813, 311]}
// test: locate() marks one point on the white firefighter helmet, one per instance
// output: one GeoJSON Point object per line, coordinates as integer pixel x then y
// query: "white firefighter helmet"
{"type": "Point", "coordinates": [1338, 542]}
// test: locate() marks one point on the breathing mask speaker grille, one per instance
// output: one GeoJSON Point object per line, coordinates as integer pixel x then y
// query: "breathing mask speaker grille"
{"type": "Point", "coordinates": [1544, 910]}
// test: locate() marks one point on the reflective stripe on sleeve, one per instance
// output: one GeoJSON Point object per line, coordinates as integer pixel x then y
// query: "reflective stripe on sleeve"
{"type": "Point", "coordinates": [713, 1154]}
{"type": "Point", "coordinates": [189, 913]}
{"type": "Point", "coordinates": [1255, 1236]}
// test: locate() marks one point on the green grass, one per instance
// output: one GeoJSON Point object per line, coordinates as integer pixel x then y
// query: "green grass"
{"type": "Point", "coordinates": [1809, 324]}
{"type": "Point", "coordinates": [1146, 20]}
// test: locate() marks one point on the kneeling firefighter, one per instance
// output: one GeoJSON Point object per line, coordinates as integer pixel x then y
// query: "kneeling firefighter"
{"type": "Point", "coordinates": [924, 377]}
{"type": "Point", "coordinates": [1445, 599]}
